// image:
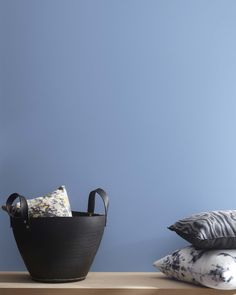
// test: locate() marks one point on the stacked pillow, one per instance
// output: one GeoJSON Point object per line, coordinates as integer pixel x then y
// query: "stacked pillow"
{"type": "Point", "coordinates": [211, 260]}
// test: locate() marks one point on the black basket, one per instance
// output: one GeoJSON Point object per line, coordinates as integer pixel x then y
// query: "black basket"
{"type": "Point", "coordinates": [58, 249]}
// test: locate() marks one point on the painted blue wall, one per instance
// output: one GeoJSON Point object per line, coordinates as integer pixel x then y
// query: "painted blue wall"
{"type": "Point", "coordinates": [138, 97]}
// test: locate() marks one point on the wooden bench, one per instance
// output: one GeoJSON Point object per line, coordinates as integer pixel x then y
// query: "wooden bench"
{"type": "Point", "coordinates": [103, 283]}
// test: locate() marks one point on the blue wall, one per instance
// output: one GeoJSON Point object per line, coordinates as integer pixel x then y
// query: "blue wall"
{"type": "Point", "coordinates": [138, 97]}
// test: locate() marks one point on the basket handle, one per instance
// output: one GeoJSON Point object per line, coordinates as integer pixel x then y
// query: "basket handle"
{"type": "Point", "coordinates": [91, 201]}
{"type": "Point", "coordinates": [23, 207]}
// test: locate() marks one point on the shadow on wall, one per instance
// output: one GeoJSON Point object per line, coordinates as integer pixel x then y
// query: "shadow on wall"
{"type": "Point", "coordinates": [133, 254]}
{"type": "Point", "coordinates": [9, 255]}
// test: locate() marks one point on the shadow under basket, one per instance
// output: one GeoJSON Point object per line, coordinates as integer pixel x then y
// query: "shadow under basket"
{"type": "Point", "coordinates": [58, 249]}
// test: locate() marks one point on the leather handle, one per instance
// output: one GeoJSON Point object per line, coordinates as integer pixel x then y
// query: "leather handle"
{"type": "Point", "coordinates": [91, 201]}
{"type": "Point", "coordinates": [23, 210]}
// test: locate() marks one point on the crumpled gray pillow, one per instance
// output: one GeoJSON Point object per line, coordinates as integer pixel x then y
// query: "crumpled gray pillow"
{"type": "Point", "coordinates": [208, 230]}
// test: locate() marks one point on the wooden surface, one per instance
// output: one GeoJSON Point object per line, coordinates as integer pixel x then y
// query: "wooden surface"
{"type": "Point", "coordinates": [20, 283]}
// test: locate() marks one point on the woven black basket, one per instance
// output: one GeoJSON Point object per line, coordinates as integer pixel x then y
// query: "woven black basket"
{"type": "Point", "coordinates": [58, 249]}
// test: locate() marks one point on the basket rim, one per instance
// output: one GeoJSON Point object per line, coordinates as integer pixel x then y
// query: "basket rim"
{"type": "Point", "coordinates": [78, 214]}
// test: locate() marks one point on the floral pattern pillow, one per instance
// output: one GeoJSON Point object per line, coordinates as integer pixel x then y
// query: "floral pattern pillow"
{"type": "Point", "coordinates": [55, 204]}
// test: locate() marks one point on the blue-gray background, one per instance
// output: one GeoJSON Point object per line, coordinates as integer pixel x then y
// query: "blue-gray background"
{"type": "Point", "coordinates": [138, 97]}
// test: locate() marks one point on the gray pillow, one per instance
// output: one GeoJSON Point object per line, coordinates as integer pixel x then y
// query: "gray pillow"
{"type": "Point", "coordinates": [209, 230]}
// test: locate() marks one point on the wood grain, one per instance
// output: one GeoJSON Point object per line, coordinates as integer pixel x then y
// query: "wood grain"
{"type": "Point", "coordinates": [20, 283]}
